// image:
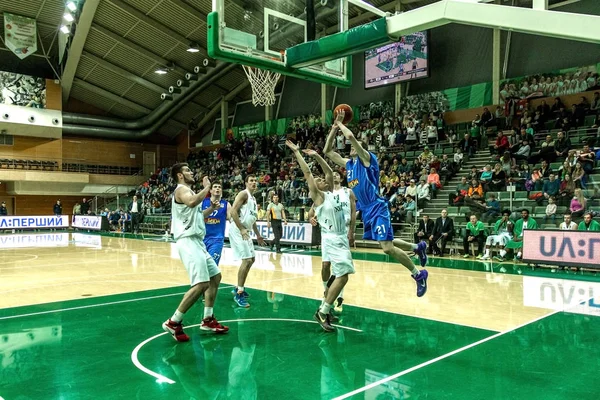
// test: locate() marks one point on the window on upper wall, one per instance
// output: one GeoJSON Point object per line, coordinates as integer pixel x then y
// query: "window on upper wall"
{"type": "Point", "coordinates": [7, 140]}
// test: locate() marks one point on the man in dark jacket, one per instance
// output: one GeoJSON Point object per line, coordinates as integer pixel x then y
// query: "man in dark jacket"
{"type": "Point", "coordinates": [443, 231]}
{"type": "Point", "coordinates": [57, 210]}
{"type": "Point", "coordinates": [425, 229]}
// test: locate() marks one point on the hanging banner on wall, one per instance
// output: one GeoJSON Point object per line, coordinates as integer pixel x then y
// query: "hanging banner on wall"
{"type": "Point", "coordinates": [20, 35]}
{"type": "Point", "coordinates": [22, 90]}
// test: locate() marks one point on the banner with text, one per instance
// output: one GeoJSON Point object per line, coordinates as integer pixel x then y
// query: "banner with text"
{"type": "Point", "coordinates": [20, 35]}
{"type": "Point", "coordinates": [34, 222]}
{"type": "Point", "coordinates": [293, 232]}
{"type": "Point", "coordinates": [90, 222]}
{"type": "Point", "coordinates": [575, 248]}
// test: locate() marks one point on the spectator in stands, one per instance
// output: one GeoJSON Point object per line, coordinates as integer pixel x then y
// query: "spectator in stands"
{"type": "Point", "coordinates": [433, 179]}
{"type": "Point", "coordinates": [447, 169]}
{"type": "Point", "coordinates": [425, 230]}
{"type": "Point", "coordinates": [423, 194]}
{"type": "Point", "coordinates": [562, 145]}
{"type": "Point", "coordinates": [595, 106]}
{"type": "Point", "coordinates": [77, 208]}
{"type": "Point", "coordinates": [587, 159]}
{"type": "Point", "coordinates": [462, 189]}
{"type": "Point", "coordinates": [551, 188]}
{"type": "Point", "coordinates": [57, 209]}
{"type": "Point", "coordinates": [588, 224]}
{"type": "Point", "coordinates": [467, 145]}
{"type": "Point", "coordinates": [3, 210]}
{"type": "Point", "coordinates": [523, 151]}
{"type": "Point", "coordinates": [85, 206]}
{"type": "Point", "coordinates": [498, 181]}
{"type": "Point", "coordinates": [567, 224]}
{"type": "Point", "coordinates": [577, 115]}
{"type": "Point", "coordinates": [525, 222]}
{"type": "Point", "coordinates": [579, 176]}
{"type": "Point", "coordinates": [550, 210]}
{"type": "Point", "coordinates": [502, 144]}
{"type": "Point", "coordinates": [578, 204]}
{"type": "Point", "coordinates": [475, 231]}
{"type": "Point", "coordinates": [566, 191]}
{"type": "Point", "coordinates": [408, 209]}
{"type": "Point", "coordinates": [486, 177]}
{"type": "Point", "coordinates": [492, 208]}
{"type": "Point", "coordinates": [474, 197]}
{"type": "Point", "coordinates": [458, 158]}
{"type": "Point", "coordinates": [443, 231]}
{"type": "Point", "coordinates": [411, 189]}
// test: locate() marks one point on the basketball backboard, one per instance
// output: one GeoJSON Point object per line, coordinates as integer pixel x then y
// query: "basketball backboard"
{"type": "Point", "coordinates": [257, 33]}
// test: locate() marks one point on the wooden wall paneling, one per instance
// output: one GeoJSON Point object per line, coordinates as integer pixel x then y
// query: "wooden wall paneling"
{"type": "Point", "coordinates": [33, 148]}
{"type": "Point", "coordinates": [105, 152]}
{"type": "Point", "coordinates": [53, 95]}
{"type": "Point", "coordinates": [43, 205]}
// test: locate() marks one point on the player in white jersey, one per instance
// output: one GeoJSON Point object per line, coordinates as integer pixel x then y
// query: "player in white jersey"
{"type": "Point", "coordinates": [243, 218]}
{"type": "Point", "coordinates": [567, 224]}
{"type": "Point", "coordinates": [188, 229]}
{"type": "Point", "coordinates": [334, 231]}
{"type": "Point", "coordinates": [346, 197]}
{"type": "Point", "coordinates": [503, 232]}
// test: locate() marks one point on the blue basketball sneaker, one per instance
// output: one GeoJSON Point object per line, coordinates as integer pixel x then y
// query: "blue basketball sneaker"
{"type": "Point", "coordinates": [234, 291]}
{"type": "Point", "coordinates": [421, 280]}
{"type": "Point", "coordinates": [421, 251]}
{"type": "Point", "coordinates": [241, 301]}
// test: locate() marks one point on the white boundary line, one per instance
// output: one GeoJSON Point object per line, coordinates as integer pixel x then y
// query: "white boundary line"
{"type": "Point", "coordinates": [442, 357]}
{"type": "Point", "coordinates": [163, 379]}
{"type": "Point", "coordinates": [100, 304]}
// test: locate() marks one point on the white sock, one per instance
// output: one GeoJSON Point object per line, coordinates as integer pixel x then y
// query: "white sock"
{"type": "Point", "coordinates": [502, 253]}
{"type": "Point", "coordinates": [519, 255]}
{"type": "Point", "coordinates": [240, 289]}
{"type": "Point", "coordinates": [325, 308]}
{"type": "Point", "coordinates": [487, 252]}
{"type": "Point", "coordinates": [325, 285]}
{"type": "Point", "coordinates": [177, 317]}
{"type": "Point", "coordinates": [414, 246]}
{"type": "Point", "coordinates": [341, 294]}
{"type": "Point", "coordinates": [208, 312]}
{"type": "Point", "coordinates": [415, 271]}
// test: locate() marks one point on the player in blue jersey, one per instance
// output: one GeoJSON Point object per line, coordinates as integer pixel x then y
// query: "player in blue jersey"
{"type": "Point", "coordinates": [362, 171]}
{"type": "Point", "coordinates": [215, 222]}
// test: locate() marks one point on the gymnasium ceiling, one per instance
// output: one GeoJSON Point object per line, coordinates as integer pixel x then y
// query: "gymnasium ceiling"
{"type": "Point", "coordinates": [130, 39]}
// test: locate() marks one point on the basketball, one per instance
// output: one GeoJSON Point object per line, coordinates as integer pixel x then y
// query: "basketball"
{"type": "Point", "coordinates": [348, 115]}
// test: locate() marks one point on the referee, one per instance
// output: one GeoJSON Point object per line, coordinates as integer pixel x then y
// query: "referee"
{"type": "Point", "coordinates": [276, 214]}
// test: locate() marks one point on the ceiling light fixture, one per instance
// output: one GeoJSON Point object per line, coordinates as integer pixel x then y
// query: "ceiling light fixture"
{"type": "Point", "coordinates": [68, 17]}
{"type": "Point", "coordinates": [161, 71]}
{"type": "Point", "coordinates": [65, 29]}
{"type": "Point", "coordinates": [193, 48]}
{"type": "Point", "coordinates": [72, 6]}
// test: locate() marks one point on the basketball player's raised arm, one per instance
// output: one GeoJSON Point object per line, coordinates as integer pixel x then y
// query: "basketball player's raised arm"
{"type": "Point", "coordinates": [190, 199]}
{"type": "Point", "coordinates": [324, 166]}
{"type": "Point", "coordinates": [228, 211]}
{"type": "Point", "coordinates": [313, 191]}
{"type": "Point", "coordinates": [352, 227]}
{"type": "Point", "coordinates": [240, 200]}
{"type": "Point", "coordinates": [328, 150]}
{"type": "Point", "coordinates": [361, 152]}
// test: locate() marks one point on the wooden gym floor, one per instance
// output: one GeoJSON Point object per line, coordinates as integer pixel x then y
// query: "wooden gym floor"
{"type": "Point", "coordinates": [81, 314]}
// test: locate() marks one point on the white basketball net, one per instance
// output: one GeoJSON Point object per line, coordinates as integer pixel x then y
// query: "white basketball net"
{"type": "Point", "coordinates": [263, 84]}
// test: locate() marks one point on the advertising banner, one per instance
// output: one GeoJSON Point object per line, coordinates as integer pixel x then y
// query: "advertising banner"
{"type": "Point", "coordinates": [20, 35]}
{"type": "Point", "coordinates": [89, 222]}
{"type": "Point", "coordinates": [293, 232]}
{"type": "Point", "coordinates": [554, 247]}
{"type": "Point", "coordinates": [35, 222]}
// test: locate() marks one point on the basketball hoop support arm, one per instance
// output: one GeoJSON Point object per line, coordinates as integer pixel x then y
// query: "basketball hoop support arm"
{"type": "Point", "coordinates": [563, 25]}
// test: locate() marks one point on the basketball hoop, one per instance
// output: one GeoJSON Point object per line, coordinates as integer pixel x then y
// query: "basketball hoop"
{"type": "Point", "coordinates": [263, 84]}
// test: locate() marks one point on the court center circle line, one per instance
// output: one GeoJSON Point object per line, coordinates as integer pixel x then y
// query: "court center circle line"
{"type": "Point", "coordinates": [163, 379]}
